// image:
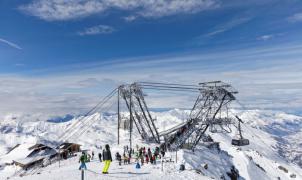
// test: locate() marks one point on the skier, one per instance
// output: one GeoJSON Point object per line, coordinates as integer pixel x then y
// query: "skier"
{"type": "Point", "coordinates": [88, 157]}
{"type": "Point", "coordinates": [92, 155]}
{"type": "Point", "coordinates": [147, 159]}
{"type": "Point", "coordinates": [140, 152]}
{"type": "Point", "coordinates": [154, 159]}
{"type": "Point", "coordinates": [107, 158]}
{"type": "Point", "coordinates": [127, 148]}
{"type": "Point", "coordinates": [100, 156]}
{"type": "Point", "coordinates": [142, 159]}
{"type": "Point", "coordinates": [125, 158]}
{"type": "Point", "coordinates": [150, 155]}
{"type": "Point", "coordinates": [129, 157]}
{"type": "Point", "coordinates": [162, 152]}
{"type": "Point", "coordinates": [119, 158]}
{"type": "Point", "coordinates": [128, 160]}
{"type": "Point", "coordinates": [82, 161]}
{"type": "Point", "coordinates": [156, 151]}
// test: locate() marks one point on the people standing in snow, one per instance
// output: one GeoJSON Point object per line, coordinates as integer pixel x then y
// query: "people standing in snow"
{"type": "Point", "coordinates": [147, 159]}
{"type": "Point", "coordinates": [125, 158]}
{"type": "Point", "coordinates": [162, 152]}
{"type": "Point", "coordinates": [92, 155]}
{"type": "Point", "coordinates": [82, 160]}
{"type": "Point", "coordinates": [107, 158]}
{"type": "Point", "coordinates": [149, 153]}
{"type": "Point", "coordinates": [129, 157]}
{"type": "Point", "coordinates": [88, 157]}
{"type": "Point", "coordinates": [127, 148]}
{"type": "Point", "coordinates": [140, 152]}
{"type": "Point", "coordinates": [118, 158]}
{"type": "Point", "coordinates": [142, 159]}
{"type": "Point", "coordinates": [156, 153]}
{"type": "Point", "coordinates": [154, 159]}
{"type": "Point", "coordinates": [100, 156]}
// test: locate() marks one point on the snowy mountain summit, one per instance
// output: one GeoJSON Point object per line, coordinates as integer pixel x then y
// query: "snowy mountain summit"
{"type": "Point", "coordinates": [275, 150]}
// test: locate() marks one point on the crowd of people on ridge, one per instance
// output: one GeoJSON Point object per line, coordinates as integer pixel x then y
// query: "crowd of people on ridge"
{"type": "Point", "coordinates": [140, 156]}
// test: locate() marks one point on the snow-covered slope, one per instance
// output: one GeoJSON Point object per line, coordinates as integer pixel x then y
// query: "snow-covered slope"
{"type": "Point", "coordinates": [275, 141]}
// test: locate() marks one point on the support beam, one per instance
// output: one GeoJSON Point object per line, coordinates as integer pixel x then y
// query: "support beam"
{"type": "Point", "coordinates": [118, 116]}
{"type": "Point", "coordinates": [146, 119]}
{"type": "Point", "coordinates": [131, 119]}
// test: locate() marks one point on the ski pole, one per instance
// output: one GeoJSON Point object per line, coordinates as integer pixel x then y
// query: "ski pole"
{"type": "Point", "coordinates": [82, 173]}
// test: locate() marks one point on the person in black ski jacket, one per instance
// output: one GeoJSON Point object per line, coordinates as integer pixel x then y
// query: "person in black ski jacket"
{"type": "Point", "coordinates": [100, 157]}
{"type": "Point", "coordinates": [118, 158]}
{"type": "Point", "coordinates": [107, 158]}
{"type": "Point", "coordinates": [150, 155]}
{"type": "Point", "coordinates": [162, 152]}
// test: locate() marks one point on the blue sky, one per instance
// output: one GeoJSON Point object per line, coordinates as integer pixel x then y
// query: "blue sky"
{"type": "Point", "coordinates": [59, 56]}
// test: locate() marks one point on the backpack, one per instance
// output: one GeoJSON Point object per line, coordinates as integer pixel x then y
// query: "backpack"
{"type": "Point", "coordinates": [138, 166]}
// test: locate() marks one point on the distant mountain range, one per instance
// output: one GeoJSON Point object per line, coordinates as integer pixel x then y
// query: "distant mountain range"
{"type": "Point", "coordinates": [275, 137]}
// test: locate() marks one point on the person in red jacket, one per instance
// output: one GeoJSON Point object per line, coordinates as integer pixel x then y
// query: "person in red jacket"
{"type": "Point", "coordinates": [147, 159]}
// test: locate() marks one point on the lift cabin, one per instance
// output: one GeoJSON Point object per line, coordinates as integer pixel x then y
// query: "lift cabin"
{"type": "Point", "coordinates": [241, 141]}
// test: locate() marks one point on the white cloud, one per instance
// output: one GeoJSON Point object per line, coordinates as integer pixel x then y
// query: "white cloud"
{"type": "Point", "coordinates": [228, 26]}
{"type": "Point", "coordinates": [266, 77]}
{"type": "Point", "coordinates": [100, 29]}
{"type": "Point", "coordinates": [56, 10]}
{"type": "Point", "coordinates": [19, 64]}
{"type": "Point", "coordinates": [130, 18]}
{"type": "Point", "coordinates": [159, 8]}
{"type": "Point", "coordinates": [266, 37]}
{"type": "Point", "coordinates": [10, 44]}
{"type": "Point", "coordinates": [296, 18]}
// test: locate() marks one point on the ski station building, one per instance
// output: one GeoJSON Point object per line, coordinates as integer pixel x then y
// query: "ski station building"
{"type": "Point", "coordinates": [28, 155]}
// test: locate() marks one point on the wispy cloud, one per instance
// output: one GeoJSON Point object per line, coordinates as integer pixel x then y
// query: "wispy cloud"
{"type": "Point", "coordinates": [58, 10]}
{"type": "Point", "coordinates": [266, 37]}
{"type": "Point", "coordinates": [295, 18]}
{"type": "Point", "coordinates": [100, 29]}
{"type": "Point", "coordinates": [11, 44]}
{"type": "Point", "coordinates": [19, 64]}
{"type": "Point", "coordinates": [130, 18]}
{"type": "Point", "coordinates": [228, 26]}
{"type": "Point", "coordinates": [267, 77]}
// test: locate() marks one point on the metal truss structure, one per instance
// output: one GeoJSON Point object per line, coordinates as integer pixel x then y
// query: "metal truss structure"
{"type": "Point", "coordinates": [139, 112]}
{"type": "Point", "coordinates": [210, 112]}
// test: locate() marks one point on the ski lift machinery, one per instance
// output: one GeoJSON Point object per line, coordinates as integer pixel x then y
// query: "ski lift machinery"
{"type": "Point", "coordinates": [212, 101]}
{"type": "Point", "coordinates": [241, 141]}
